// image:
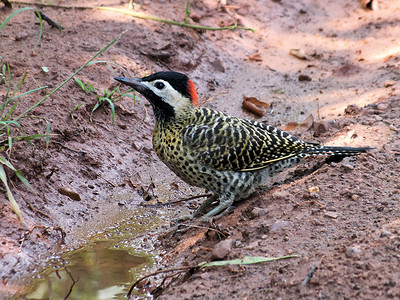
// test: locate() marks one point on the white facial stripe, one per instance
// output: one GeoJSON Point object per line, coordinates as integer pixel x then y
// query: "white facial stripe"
{"type": "Point", "coordinates": [168, 93]}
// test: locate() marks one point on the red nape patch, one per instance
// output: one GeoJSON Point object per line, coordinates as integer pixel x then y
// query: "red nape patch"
{"type": "Point", "coordinates": [193, 92]}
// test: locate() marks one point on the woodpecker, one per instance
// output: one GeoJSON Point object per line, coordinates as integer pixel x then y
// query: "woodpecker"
{"type": "Point", "coordinates": [226, 155]}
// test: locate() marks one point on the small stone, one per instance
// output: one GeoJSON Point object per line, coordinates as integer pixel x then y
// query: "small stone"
{"type": "Point", "coordinates": [355, 197]}
{"type": "Point", "coordinates": [331, 214]}
{"type": "Point", "coordinates": [303, 77]}
{"type": "Point", "coordinates": [394, 128]}
{"type": "Point", "coordinates": [222, 249]}
{"type": "Point", "coordinates": [71, 194]}
{"type": "Point", "coordinates": [280, 195]}
{"type": "Point", "coordinates": [122, 125]}
{"type": "Point", "coordinates": [252, 246]}
{"type": "Point", "coordinates": [21, 36]}
{"type": "Point", "coordinates": [348, 166]}
{"type": "Point", "coordinates": [258, 212]}
{"type": "Point", "coordinates": [238, 244]}
{"type": "Point", "coordinates": [352, 109]}
{"type": "Point", "coordinates": [385, 233]}
{"type": "Point", "coordinates": [321, 127]}
{"type": "Point", "coordinates": [354, 251]}
{"type": "Point", "coordinates": [298, 53]}
{"type": "Point", "coordinates": [280, 224]}
{"type": "Point", "coordinates": [388, 83]}
{"type": "Point", "coordinates": [313, 189]}
{"type": "Point", "coordinates": [382, 106]}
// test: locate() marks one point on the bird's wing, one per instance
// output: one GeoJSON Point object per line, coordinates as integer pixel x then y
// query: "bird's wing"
{"type": "Point", "coordinates": [240, 145]}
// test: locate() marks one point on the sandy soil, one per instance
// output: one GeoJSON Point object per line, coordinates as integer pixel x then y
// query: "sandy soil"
{"type": "Point", "coordinates": [341, 219]}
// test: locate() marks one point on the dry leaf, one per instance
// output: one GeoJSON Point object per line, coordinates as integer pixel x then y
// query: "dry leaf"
{"type": "Point", "coordinates": [256, 101]}
{"type": "Point", "coordinates": [254, 105]}
{"type": "Point", "coordinates": [255, 57]}
{"type": "Point", "coordinates": [370, 4]}
{"type": "Point", "coordinates": [298, 53]}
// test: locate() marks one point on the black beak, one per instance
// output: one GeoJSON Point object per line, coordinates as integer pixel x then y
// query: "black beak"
{"type": "Point", "coordinates": [135, 83]}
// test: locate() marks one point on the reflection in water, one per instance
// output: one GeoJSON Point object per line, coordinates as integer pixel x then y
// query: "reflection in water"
{"type": "Point", "coordinates": [98, 271]}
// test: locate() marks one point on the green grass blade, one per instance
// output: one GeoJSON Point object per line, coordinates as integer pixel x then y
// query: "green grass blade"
{"type": "Point", "coordinates": [70, 77]}
{"type": "Point", "coordinates": [24, 181]}
{"type": "Point", "coordinates": [7, 163]}
{"type": "Point", "coordinates": [31, 137]}
{"type": "Point", "coordinates": [48, 134]}
{"type": "Point", "coordinates": [10, 196]}
{"type": "Point", "coordinates": [12, 15]}
{"type": "Point", "coordinates": [8, 88]}
{"type": "Point", "coordinates": [112, 110]}
{"type": "Point", "coordinates": [20, 83]}
{"type": "Point", "coordinates": [29, 92]}
{"type": "Point", "coordinates": [247, 260]}
{"type": "Point", "coordinates": [41, 28]}
{"type": "Point", "coordinates": [80, 83]}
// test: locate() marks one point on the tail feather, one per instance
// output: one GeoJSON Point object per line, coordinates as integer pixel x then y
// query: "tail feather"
{"type": "Point", "coordinates": [336, 151]}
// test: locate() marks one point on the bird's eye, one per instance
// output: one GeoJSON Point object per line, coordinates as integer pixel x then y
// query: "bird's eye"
{"type": "Point", "coordinates": [159, 85]}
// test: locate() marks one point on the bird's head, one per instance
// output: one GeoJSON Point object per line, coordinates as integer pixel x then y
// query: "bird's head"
{"type": "Point", "coordinates": [170, 93]}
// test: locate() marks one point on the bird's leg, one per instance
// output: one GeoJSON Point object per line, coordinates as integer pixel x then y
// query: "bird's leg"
{"type": "Point", "coordinates": [205, 204]}
{"type": "Point", "coordinates": [224, 203]}
{"type": "Point", "coordinates": [199, 211]}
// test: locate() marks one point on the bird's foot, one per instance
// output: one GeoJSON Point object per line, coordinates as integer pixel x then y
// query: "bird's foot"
{"type": "Point", "coordinates": [182, 219]}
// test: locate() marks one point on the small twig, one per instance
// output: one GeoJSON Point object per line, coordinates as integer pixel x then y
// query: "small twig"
{"type": "Point", "coordinates": [203, 227]}
{"type": "Point", "coordinates": [310, 202]}
{"type": "Point", "coordinates": [156, 273]}
{"type": "Point", "coordinates": [171, 22]}
{"type": "Point", "coordinates": [310, 274]}
{"type": "Point", "coordinates": [106, 180]}
{"type": "Point", "coordinates": [72, 285]}
{"type": "Point", "coordinates": [45, 228]}
{"type": "Point", "coordinates": [49, 21]}
{"type": "Point", "coordinates": [70, 149]}
{"type": "Point", "coordinates": [140, 15]}
{"type": "Point", "coordinates": [212, 98]}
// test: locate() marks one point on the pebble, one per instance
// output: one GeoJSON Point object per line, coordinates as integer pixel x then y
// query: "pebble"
{"type": "Point", "coordinates": [331, 214]}
{"type": "Point", "coordinates": [385, 233]}
{"type": "Point", "coordinates": [348, 166]}
{"type": "Point", "coordinates": [394, 128]}
{"type": "Point", "coordinates": [252, 246]}
{"type": "Point", "coordinates": [354, 251]}
{"type": "Point", "coordinates": [71, 194]}
{"type": "Point", "coordinates": [222, 249]}
{"type": "Point", "coordinates": [303, 77]}
{"type": "Point", "coordinates": [258, 212]}
{"type": "Point", "coordinates": [388, 83]}
{"type": "Point", "coordinates": [352, 109]}
{"type": "Point", "coordinates": [280, 224]}
{"type": "Point", "coordinates": [280, 195]}
{"type": "Point", "coordinates": [21, 36]}
{"type": "Point", "coordinates": [382, 106]}
{"type": "Point", "coordinates": [321, 127]}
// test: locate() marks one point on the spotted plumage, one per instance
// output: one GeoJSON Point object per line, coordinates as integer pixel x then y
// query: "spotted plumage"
{"type": "Point", "coordinates": [224, 154]}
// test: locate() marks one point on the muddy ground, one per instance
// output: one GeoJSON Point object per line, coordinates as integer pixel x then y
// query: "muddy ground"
{"type": "Point", "coordinates": [340, 219]}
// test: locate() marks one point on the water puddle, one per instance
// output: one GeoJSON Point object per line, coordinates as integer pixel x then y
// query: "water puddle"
{"type": "Point", "coordinates": [105, 267]}
{"type": "Point", "coordinates": [98, 271]}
